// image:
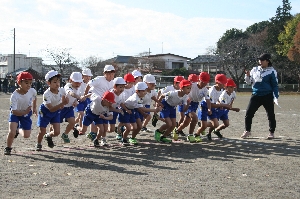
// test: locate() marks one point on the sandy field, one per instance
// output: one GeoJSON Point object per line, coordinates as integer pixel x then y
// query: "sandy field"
{"type": "Point", "coordinates": [228, 168]}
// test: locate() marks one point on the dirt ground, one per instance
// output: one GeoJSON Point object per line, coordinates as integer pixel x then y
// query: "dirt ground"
{"type": "Point", "coordinates": [229, 168]}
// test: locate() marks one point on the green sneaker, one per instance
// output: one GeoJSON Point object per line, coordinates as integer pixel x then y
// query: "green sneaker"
{"type": "Point", "coordinates": [157, 135]}
{"type": "Point", "coordinates": [191, 138]}
{"type": "Point", "coordinates": [203, 133]}
{"type": "Point", "coordinates": [197, 138]}
{"type": "Point", "coordinates": [165, 140]}
{"type": "Point", "coordinates": [175, 136]}
{"type": "Point", "coordinates": [133, 141]}
{"type": "Point", "coordinates": [65, 138]}
{"type": "Point", "coordinates": [119, 136]}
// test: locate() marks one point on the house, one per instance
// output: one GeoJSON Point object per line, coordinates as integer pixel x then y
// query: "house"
{"type": "Point", "coordinates": [208, 63]}
{"type": "Point", "coordinates": [170, 61]}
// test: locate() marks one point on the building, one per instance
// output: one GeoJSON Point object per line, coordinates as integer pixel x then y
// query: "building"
{"type": "Point", "coordinates": [171, 61]}
{"type": "Point", "coordinates": [208, 63]}
{"type": "Point", "coordinates": [21, 62]}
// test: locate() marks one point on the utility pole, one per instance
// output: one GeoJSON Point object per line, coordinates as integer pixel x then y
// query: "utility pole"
{"type": "Point", "coordinates": [14, 50]}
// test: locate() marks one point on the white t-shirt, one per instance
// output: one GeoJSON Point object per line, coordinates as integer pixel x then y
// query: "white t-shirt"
{"type": "Point", "coordinates": [134, 101]}
{"type": "Point", "coordinates": [81, 89]}
{"type": "Point", "coordinates": [100, 85]}
{"type": "Point", "coordinates": [214, 94]}
{"type": "Point", "coordinates": [68, 89]}
{"type": "Point", "coordinates": [225, 98]}
{"type": "Point", "coordinates": [96, 106]}
{"type": "Point", "coordinates": [53, 99]}
{"type": "Point", "coordinates": [167, 89]}
{"type": "Point", "coordinates": [197, 95]}
{"type": "Point", "coordinates": [128, 92]}
{"type": "Point", "coordinates": [22, 102]}
{"type": "Point", "coordinates": [147, 99]}
{"type": "Point", "coordinates": [118, 99]}
{"type": "Point", "coordinates": [173, 99]}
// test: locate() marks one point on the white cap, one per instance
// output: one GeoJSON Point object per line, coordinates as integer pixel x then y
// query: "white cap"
{"type": "Point", "coordinates": [108, 68]}
{"type": "Point", "coordinates": [76, 77]}
{"type": "Point", "coordinates": [51, 74]}
{"type": "Point", "coordinates": [87, 72]}
{"type": "Point", "coordinates": [119, 80]}
{"type": "Point", "coordinates": [149, 79]}
{"type": "Point", "coordinates": [136, 74]}
{"type": "Point", "coordinates": [140, 86]}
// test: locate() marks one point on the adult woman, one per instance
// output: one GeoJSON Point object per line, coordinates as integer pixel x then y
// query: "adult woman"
{"type": "Point", "coordinates": [264, 90]}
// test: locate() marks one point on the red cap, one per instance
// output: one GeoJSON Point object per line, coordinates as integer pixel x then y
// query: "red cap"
{"type": "Point", "coordinates": [178, 79]}
{"type": "Point", "coordinates": [231, 83]}
{"type": "Point", "coordinates": [221, 78]}
{"type": "Point", "coordinates": [184, 83]}
{"type": "Point", "coordinates": [193, 78]}
{"type": "Point", "coordinates": [109, 96]}
{"type": "Point", "coordinates": [204, 77]}
{"type": "Point", "coordinates": [23, 76]}
{"type": "Point", "coordinates": [129, 77]}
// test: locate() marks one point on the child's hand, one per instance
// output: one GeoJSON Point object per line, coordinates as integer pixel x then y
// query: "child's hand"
{"type": "Point", "coordinates": [101, 116]}
{"type": "Point", "coordinates": [236, 109]}
{"type": "Point", "coordinates": [160, 104]}
{"type": "Point", "coordinates": [82, 98]}
{"type": "Point", "coordinates": [209, 112]}
{"type": "Point", "coordinates": [28, 110]}
{"type": "Point", "coordinates": [65, 100]}
{"type": "Point", "coordinates": [34, 111]}
{"type": "Point", "coordinates": [129, 111]}
{"type": "Point", "coordinates": [158, 109]}
{"type": "Point", "coordinates": [120, 111]}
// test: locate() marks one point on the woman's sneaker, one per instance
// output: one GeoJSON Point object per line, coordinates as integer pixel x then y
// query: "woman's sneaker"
{"type": "Point", "coordinates": [271, 136]}
{"type": "Point", "coordinates": [246, 134]}
{"type": "Point", "coordinates": [7, 151]}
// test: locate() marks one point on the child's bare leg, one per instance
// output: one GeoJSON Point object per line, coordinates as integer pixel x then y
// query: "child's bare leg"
{"type": "Point", "coordinates": [11, 133]}
{"type": "Point", "coordinates": [138, 128]}
{"type": "Point", "coordinates": [71, 124]}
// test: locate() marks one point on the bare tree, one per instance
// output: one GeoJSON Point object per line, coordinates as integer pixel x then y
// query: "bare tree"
{"type": "Point", "coordinates": [91, 62]}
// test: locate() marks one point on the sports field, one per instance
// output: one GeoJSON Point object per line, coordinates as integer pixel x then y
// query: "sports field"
{"type": "Point", "coordinates": [228, 168]}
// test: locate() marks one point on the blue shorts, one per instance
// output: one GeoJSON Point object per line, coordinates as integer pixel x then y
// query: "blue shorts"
{"type": "Point", "coordinates": [114, 120]}
{"type": "Point", "coordinates": [147, 106]}
{"type": "Point", "coordinates": [81, 106]}
{"type": "Point", "coordinates": [24, 122]}
{"type": "Point", "coordinates": [192, 107]}
{"type": "Point", "coordinates": [66, 113]}
{"type": "Point", "coordinates": [138, 115]}
{"type": "Point", "coordinates": [180, 108]}
{"type": "Point", "coordinates": [203, 111]}
{"type": "Point", "coordinates": [223, 114]}
{"type": "Point", "coordinates": [127, 118]}
{"type": "Point", "coordinates": [168, 111]}
{"type": "Point", "coordinates": [214, 114]}
{"type": "Point", "coordinates": [90, 117]}
{"type": "Point", "coordinates": [45, 117]}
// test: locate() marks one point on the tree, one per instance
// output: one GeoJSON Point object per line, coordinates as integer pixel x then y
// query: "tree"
{"type": "Point", "coordinates": [230, 35]}
{"type": "Point", "coordinates": [257, 27]}
{"type": "Point", "coordinates": [91, 62]}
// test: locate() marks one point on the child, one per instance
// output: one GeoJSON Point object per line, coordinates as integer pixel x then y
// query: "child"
{"type": "Point", "coordinates": [67, 113]}
{"type": "Point", "coordinates": [226, 97]}
{"type": "Point", "coordinates": [170, 101]}
{"type": "Point", "coordinates": [49, 111]}
{"type": "Point", "coordinates": [22, 105]}
{"type": "Point", "coordinates": [151, 95]}
{"type": "Point", "coordinates": [197, 94]}
{"type": "Point", "coordinates": [137, 76]}
{"type": "Point", "coordinates": [214, 94]}
{"type": "Point", "coordinates": [174, 87]}
{"type": "Point", "coordinates": [133, 113]}
{"type": "Point", "coordinates": [95, 112]}
{"type": "Point", "coordinates": [86, 76]}
{"type": "Point", "coordinates": [193, 78]}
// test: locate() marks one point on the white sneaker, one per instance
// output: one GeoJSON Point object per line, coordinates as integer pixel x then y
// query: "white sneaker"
{"type": "Point", "coordinates": [104, 142]}
{"type": "Point", "coordinates": [246, 134]}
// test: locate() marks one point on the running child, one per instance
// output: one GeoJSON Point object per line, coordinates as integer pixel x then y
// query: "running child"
{"type": "Point", "coordinates": [49, 111]}
{"type": "Point", "coordinates": [22, 106]}
{"type": "Point", "coordinates": [170, 100]}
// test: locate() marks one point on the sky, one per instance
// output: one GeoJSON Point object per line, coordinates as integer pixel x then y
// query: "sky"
{"type": "Point", "coordinates": [107, 28]}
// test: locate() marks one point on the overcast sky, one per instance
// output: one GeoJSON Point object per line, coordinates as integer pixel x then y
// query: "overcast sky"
{"type": "Point", "coordinates": [106, 28]}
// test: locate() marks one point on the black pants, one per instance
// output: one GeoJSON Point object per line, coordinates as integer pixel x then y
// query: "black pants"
{"type": "Point", "coordinates": [254, 103]}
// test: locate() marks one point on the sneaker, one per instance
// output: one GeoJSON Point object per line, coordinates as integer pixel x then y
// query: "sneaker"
{"type": "Point", "coordinates": [38, 147]}
{"type": "Point", "coordinates": [81, 133]}
{"type": "Point", "coordinates": [123, 128]}
{"type": "Point", "coordinates": [144, 129]}
{"type": "Point", "coordinates": [271, 136]}
{"type": "Point", "coordinates": [124, 142]}
{"type": "Point", "coordinates": [157, 135]}
{"type": "Point", "coordinates": [198, 138]}
{"type": "Point", "coordinates": [199, 124]}
{"type": "Point", "coordinates": [104, 142]}
{"type": "Point", "coordinates": [133, 141]}
{"type": "Point", "coordinates": [191, 138]}
{"type": "Point", "coordinates": [203, 133]}
{"type": "Point", "coordinates": [154, 120]}
{"type": "Point", "coordinates": [49, 141]}
{"type": "Point", "coordinates": [165, 140]}
{"type": "Point", "coordinates": [75, 132]}
{"type": "Point", "coordinates": [175, 136]}
{"type": "Point", "coordinates": [65, 138]}
{"type": "Point", "coordinates": [181, 133]}
{"type": "Point", "coordinates": [17, 133]}
{"type": "Point", "coordinates": [91, 135]}
{"type": "Point", "coordinates": [218, 134]}
{"type": "Point", "coordinates": [119, 136]}
{"type": "Point", "coordinates": [208, 136]}
{"type": "Point", "coordinates": [246, 134]}
{"type": "Point", "coordinates": [7, 151]}
{"type": "Point", "coordinates": [96, 143]}
{"type": "Point", "coordinates": [116, 129]}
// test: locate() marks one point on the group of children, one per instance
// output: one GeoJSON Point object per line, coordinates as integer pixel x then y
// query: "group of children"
{"type": "Point", "coordinates": [99, 102]}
